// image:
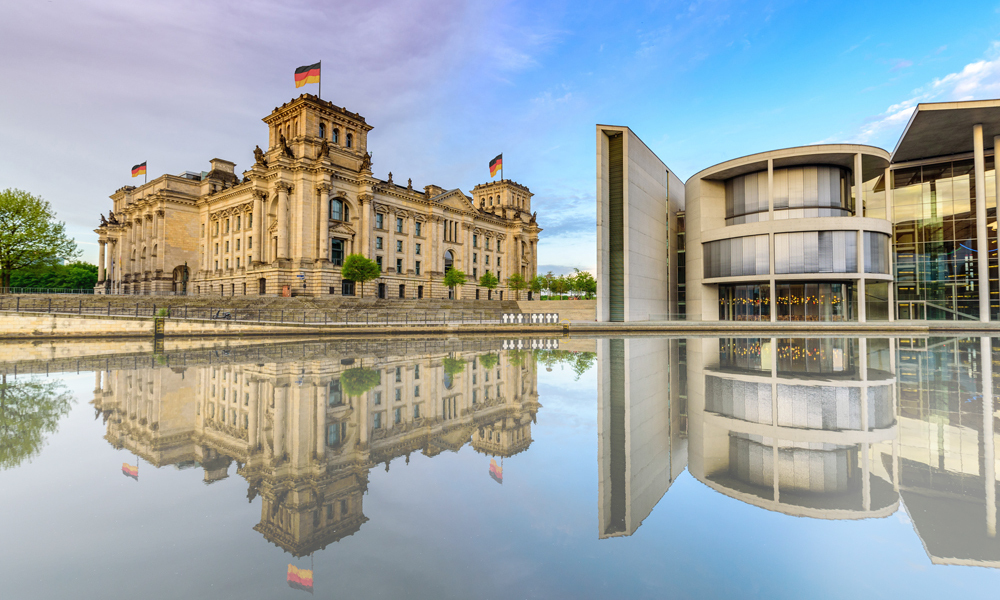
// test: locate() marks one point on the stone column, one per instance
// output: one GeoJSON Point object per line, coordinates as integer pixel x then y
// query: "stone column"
{"type": "Point", "coordinates": [280, 392]}
{"type": "Point", "coordinates": [252, 417]}
{"type": "Point", "coordinates": [982, 241]}
{"type": "Point", "coordinates": [100, 261]}
{"type": "Point", "coordinates": [364, 242]}
{"type": "Point", "coordinates": [283, 189]}
{"type": "Point", "coordinates": [257, 231]}
{"type": "Point", "coordinates": [322, 395]}
{"type": "Point", "coordinates": [323, 239]}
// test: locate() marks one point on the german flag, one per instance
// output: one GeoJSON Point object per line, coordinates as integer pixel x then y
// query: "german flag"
{"type": "Point", "coordinates": [496, 164]}
{"type": "Point", "coordinates": [139, 169]}
{"type": "Point", "coordinates": [496, 471]}
{"type": "Point", "coordinates": [308, 74]}
{"type": "Point", "coordinates": [130, 471]}
{"type": "Point", "coordinates": [300, 579]}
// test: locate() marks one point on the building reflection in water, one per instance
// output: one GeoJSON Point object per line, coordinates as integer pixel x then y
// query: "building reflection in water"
{"type": "Point", "coordinates": [828, 428]}
{"type": "Point", "coordinates": [304, 433]}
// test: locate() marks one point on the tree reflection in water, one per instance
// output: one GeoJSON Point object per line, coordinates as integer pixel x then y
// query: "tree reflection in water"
{"type": "Point", "coordinates": [30, 409]}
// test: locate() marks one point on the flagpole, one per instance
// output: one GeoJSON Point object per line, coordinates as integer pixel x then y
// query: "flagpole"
{"type": "Point", "coordinates": [320, 93]}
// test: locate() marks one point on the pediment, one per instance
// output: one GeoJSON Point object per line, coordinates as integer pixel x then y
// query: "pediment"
{"type": "Point", "coordinates": [456, 200]}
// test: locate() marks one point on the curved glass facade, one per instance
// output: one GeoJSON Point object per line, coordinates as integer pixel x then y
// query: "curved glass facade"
{"type": "Point", "coordinates": [821, 356]}
{"type": "Point", "coordinates": [745, 302]}
{"type": "Point", "coordinates": [799, 192]}
{"type": "Point", "coordinates": [816, 252]}
{"type": "Point", "coordinates": [796, 301]}
{"type": "Point", "coordinates": [737, 256]}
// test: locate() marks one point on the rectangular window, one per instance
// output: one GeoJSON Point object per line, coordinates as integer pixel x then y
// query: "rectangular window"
{"type": "Point", "coordinates": [397, 416]}
{"type": "Point", "coordinates": [227, 263]}
{"type": "Point", "coordinates": [216, 265]}
{"type": "Point", "coordinates": [487, 260]}
{"type": "Point", "coordinates": [237, 243]}
{"type": "Point", "coordinates": [475, 240]}
{"type": "Point", "coordinates": [237, 262]}
{"type": "Point", "coordinates": [249, 221]}
{"type": "Point", "coordinates": [227, 225]}
{"type": "Point", "coordinates": [378, 243]}
{"type": "Point", "coordinates": [417, 227]}
{"type": "Point", "coordinates": [416, 269]}
{"type": "Point", "coordinates": [378, 260]}
{"type": "Point", "coordinates": [399, 225]}
{"type": "Point", "coordinates": [475, 258]}
{"type": "Point", "coordinates": [399, 265]}
{"type": "Point", "coordinates": [399, 374]}
{"type": "Point", "coordinates": [399, 245]}
{"type": "Point", "coordinates": [377, 421]}
{"type": "Point", "coordinates": [337, 252]}
{"type": "Point", "coordinates": [416, 371]}
{"type": "Point", "coordinates": [216, 248]}
{"type": "Point", "coordinates": [416, 249]}
{"type": "Point", "coordinates": [475, 273]}
{"type": "Point", "coordinates": [416, 411]}
{"type": "Point", "coordinates": [237, 222]}
{"type": "Point", "coordinates": [378, 220]}
{"type": "Point", "coordinates": [416, 391]}
{"type": "Point", "coordinates": [377, 400]}
{"type": "Point", "coordinates": [487, 243]}
{"type": "Point", "coordinates": [215, 230]}
{"type": "Point", "coordinates": [399, 395]}
{"type": "Point", "coordinates": [227, 245]}
{"type": "Point", "coordinates": [249, 243]}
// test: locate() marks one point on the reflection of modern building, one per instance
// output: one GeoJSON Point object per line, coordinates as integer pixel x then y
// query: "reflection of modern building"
{"type": "Point", "coordinates": [835, 232]}
{"type": "Point", "coordinates": [790, 424]}
{"type": "Point", "coordinates": [305, 433]}
{"type": "Point", "coordinates": [829, 428]}
{"type": "Point", "coordinates": [641, 429]}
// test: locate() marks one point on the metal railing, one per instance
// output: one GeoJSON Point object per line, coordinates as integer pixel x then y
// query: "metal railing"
{"type": "Point", "coordinates": [289, 316]}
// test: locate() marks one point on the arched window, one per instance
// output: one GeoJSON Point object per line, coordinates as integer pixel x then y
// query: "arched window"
{"type": "Point", "coordinates": [322, 131]}
{"type": "Point", "coordinates": [350, 140]}
{"type": "Point", "coordinates": [491, 200]}
{"type": "Point", "coordinates": [339, 210]}
{"type": "Point", "coordinates": [336, 135]}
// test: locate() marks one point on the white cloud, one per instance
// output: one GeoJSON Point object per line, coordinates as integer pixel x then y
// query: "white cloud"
{"type": "Point", "coordinates": [976, 81]}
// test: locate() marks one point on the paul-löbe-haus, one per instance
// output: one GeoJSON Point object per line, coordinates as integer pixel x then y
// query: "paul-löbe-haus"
{"type": "Point", "coordinates": [307, 203]}
{"type": "Point", "coordinates": [833, 232]}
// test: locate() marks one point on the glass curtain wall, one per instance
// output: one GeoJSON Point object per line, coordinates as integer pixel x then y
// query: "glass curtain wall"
{"type": "Point", "coordinates": [935, 247]}
{"type": "Point", "coordinates": [816, 252]}
{"type": "Point", "coordinates": [816, 301]}
{"type": "Point", "coordinates": [794, 355]}
{"type": "Point", "coordinates": [745, 302]}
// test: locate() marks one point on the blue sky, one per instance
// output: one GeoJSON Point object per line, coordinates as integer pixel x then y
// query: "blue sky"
{"type": "Point", "coordinates": [91, 88]}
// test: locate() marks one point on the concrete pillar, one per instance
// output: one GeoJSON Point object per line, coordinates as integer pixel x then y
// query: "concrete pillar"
{"type": "Point", "coordinates": [887, 179]}
{"type": "Point", "coordinates": [323, 239]}
{"type": "Point", "coordinates": [100, 261]}
{"type": "Point", "coordinates": [986, 372]}
{"type": "Point", "coordinates": [982, 243]}
{"type": "Point", "coordinates": [862, 309]}
{"type": "Point", "coordinates": [282, 220]}
{"type": "Point", "coordinates": [364, 247]}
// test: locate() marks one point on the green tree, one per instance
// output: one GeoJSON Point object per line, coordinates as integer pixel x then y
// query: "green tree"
{"type": "Point", "coordinates": [489, 281]}
{"type": "Point", "coordinates": [537, 284]}
{"type": "Point", "coordinates": [358, 380]}
{"type": "Point", "coordinates": [584, 282]}
{"type": "Point", "coordinates": [30, 235]}
{"type": "Point", "coordinates": [359, 269]}
{"type": "Point", "coordinates": [560, 285]}
{"type": "Point", "coordinates": [489, 360]}
{"type": "Point", "coordinates": [550, 280]}
{"type": "Point", "coordinates": [29, 409]}
{"type": "Point", "coordinates": [453, 366]}
{"type": "Point", "coordinates": [74, 276]}
{"type": "Point", "coordinates": [454, 278]}
{"type": "Point", "coordinates": [517, 283]}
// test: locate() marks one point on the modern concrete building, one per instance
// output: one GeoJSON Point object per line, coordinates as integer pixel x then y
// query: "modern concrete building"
{"type": "Point", "coordinates": [834, 232]}
{"type": "Point", "coordinates": [306, 203]}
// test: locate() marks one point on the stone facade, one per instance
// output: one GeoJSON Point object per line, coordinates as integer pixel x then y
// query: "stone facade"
{"type": "Point", "coordinates": [306, 203]}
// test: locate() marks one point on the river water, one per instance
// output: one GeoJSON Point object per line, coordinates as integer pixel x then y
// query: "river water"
{"type": "Point", "coordinates": [456, 468]}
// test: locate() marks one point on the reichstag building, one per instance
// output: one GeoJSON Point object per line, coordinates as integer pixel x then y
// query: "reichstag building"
{"type": "Point", "coordinates": [832, 232]}
{"type": "Point", "coordinates": [308, 201]}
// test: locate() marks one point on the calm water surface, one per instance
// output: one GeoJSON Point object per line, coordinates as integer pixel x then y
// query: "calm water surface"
{"type": "Point", "coordinates": [452, 468]}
